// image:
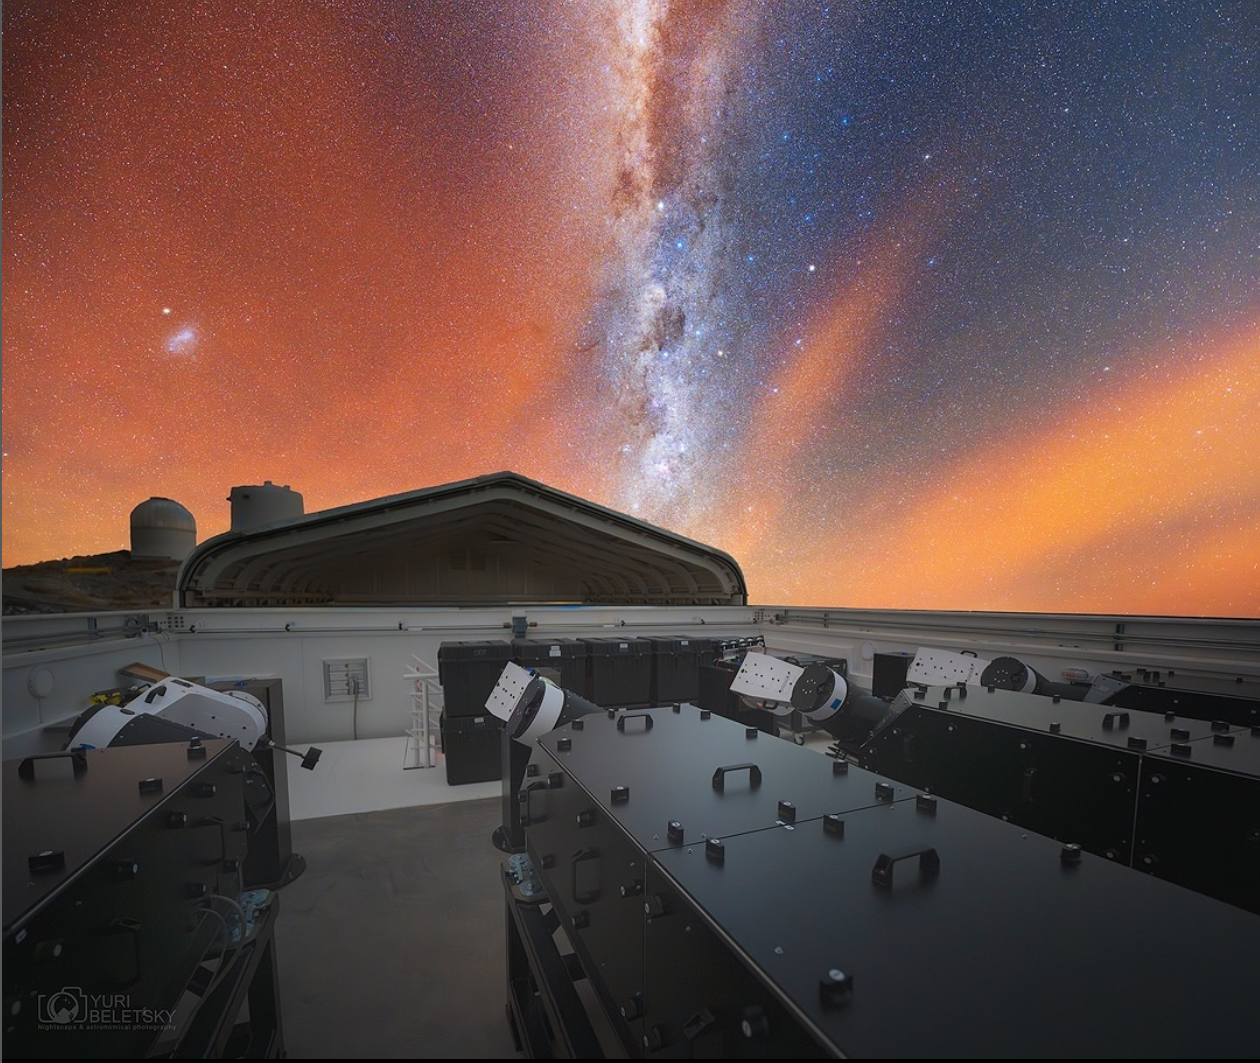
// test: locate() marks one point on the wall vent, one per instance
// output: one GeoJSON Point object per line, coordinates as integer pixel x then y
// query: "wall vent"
{"type": "Point", "coordinates": [345, 678]}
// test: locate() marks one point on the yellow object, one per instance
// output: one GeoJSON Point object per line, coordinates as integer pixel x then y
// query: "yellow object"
{"type": "Point", "coordinates": [117, 696]}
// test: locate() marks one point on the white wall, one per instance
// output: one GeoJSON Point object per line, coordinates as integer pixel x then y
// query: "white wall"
{"type": "Point", "coordinates": [291, 644]}
{"type": "Point", "coordinates": [85, 650]}
{"type": "Point", "coordinates": [79, 669]}
{"type": "Point", "coordinates": [389, 638]}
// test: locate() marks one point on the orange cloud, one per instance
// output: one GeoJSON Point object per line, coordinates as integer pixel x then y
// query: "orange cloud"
{"type": "Point", "coordinates": [1145, 495]}
{"type": "Point", "coordinates": [794, 404]}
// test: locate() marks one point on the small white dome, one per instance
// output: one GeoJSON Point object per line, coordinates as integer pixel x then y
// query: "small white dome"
{"type": "Point", "coordinates": [162, 528]}
{"type": "Point", "coordinates": [163, 513]}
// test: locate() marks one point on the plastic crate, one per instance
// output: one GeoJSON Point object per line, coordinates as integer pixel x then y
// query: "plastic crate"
{"type": "Point", "coordinates": [468, 671]}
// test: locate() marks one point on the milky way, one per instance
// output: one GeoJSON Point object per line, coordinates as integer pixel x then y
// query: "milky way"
{"type": "Point", "coordinates": [906, 304]}
{"type": "Point", "coordinates": [665, 318]}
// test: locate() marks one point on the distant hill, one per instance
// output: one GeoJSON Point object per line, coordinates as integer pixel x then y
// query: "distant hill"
{"type": "Point", "coordinates": [89, 583]}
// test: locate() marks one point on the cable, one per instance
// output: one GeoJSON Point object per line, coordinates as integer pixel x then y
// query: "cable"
{"type": "Point", "coordinates": [219, 974]}
{"type": "Point", "coordinates": [227, 930]}
{"type": "Point", "coordinates": [240, 914]}
{"type": "Point", "coordinates": [224, 962]}
{"type": "Point", "coordinates": [159, 637]}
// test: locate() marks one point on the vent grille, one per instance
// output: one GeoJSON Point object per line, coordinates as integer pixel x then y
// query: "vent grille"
{"type": "Point", "coordinates": [346, 678]}
{"type": "Point", "coordinates": [173, 622]}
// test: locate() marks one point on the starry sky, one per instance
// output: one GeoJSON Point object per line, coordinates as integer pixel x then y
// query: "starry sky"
{"type": "Point", "coordinates": [905, 304]}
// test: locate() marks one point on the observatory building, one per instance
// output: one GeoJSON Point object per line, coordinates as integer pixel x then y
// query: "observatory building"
{"type": "Point", "coordinates": [256, 505]}
{"type": "Point", "coordinates": [162, 529]}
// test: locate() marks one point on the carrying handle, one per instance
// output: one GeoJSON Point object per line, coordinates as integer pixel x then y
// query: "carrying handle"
{"type": "Point", "coordinates": [646, 717]}
{"type": "Point", "coordinates": [754, 775]}
{"type": "Point", "coordinates": [130, 930]}
{"type": "Point", "coordinates": [78, 762]}
{"type": "Point", "coordinates": [929, 863]}
{"type": "Point", "coordinates": [522, 799]}
{"type": "Point", "coordinates": [580, 896]}
{"type": "Point", "coordinates": [1026, 788]}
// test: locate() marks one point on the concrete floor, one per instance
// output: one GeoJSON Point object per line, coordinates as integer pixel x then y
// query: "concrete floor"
{"type": "Point", "coordinates": [369, 775]}
{"type": "Point", "coordinates": [392, 945]}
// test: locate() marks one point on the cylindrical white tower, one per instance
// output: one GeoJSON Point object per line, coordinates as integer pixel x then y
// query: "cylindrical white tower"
{"type": "Point", "coordinates": [266, 503]}
{"type": "Point", "coordinates": [162, 528]}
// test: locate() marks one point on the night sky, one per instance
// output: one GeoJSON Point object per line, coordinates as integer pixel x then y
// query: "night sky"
{"type": "Point", "coordinates": [905, 304]}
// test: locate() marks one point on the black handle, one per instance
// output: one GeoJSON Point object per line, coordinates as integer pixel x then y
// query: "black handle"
{"type": "Point", "coordinates": [754, 775]}
{"type": "Point", "coordinates": [646, 717]}
{"type": "Point", "coordinates": [929, 863]}
{"type": "Point", "coordinates": [130, 930]}
{"type": "Point", "coordinates": [78, 762]}
{"type": "Point", "coordinates": [1026, 790]}
{"type": "Point", "coordinates": [587, 896]}
{"type": "Point", "coordinates": [522, 799]}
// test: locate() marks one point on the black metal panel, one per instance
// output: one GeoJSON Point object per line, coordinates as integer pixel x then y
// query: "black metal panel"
{"type": "Point", "coordinates": [602, 793]}
{"type": "Point", "coordinates": [708, 774]}
{"type": "Point", "coordinates": [699, 989]}
{"type": "Point", "coordinates": [1066, 718]}
{"type": "Point", "coordinates": [1198, 817]}
{"type": "Point", "coordinates": [1063, 768]}
{"type": "Point", "coordinates": [146, 833]}
{"type": "Point", "coordinates": [513, 761]}
{"type": "Point", "coordinates": [995, 948]}
{"type": "Point", "coordinates": [895, 928]}
{"type": "Point", "coordinates": [1234, 701]}
{"type": "Point", "coordinates": [1063, 785]}
{"type": "Point", "coordinates": [144, 729]}
{"type": "Point", "coordinates": [593, 874]}
{"type": "Point", "coordinates": [271, 863]}
{"type": "Point", "coordinates": [548, 1017]}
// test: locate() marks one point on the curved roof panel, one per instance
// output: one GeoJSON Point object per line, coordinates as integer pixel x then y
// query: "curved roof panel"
{"type": "Point", "coordinates": [496, 538]}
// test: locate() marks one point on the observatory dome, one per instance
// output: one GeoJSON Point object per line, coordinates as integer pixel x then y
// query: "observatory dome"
{"type": "Point", "coordinates": [162, 528]}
